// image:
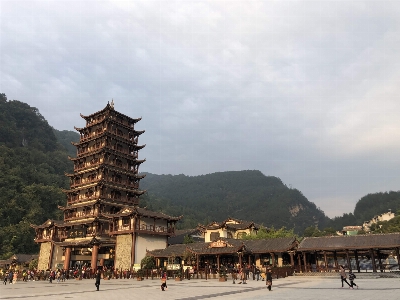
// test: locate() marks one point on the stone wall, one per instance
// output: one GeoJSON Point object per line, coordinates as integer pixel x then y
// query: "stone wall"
{"type": "Point", "coordinates": [44, 256]}
{"type": "Point", "coordinates": [123, 252]}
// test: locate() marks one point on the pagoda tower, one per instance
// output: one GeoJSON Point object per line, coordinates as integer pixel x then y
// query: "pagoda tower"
{"type": "Point", "coordinates": [103, 223]}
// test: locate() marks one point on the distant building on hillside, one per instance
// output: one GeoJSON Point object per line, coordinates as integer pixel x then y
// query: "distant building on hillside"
{"type": "Point", "coordinates": [230, 228]}
{"type": "Point", "coordinates": [378, 218]}
{"type": "Point", "coordinates": [350, 230]}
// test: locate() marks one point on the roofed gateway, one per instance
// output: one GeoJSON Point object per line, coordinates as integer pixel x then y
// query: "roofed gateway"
{"type": "Point", "coordinates": [103, 223]}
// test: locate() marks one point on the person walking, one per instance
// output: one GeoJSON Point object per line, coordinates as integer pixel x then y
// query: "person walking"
{"type": "Point", "coordinates": [257, 271]}
{"type": "Point", "coordinates": [5, 278]}
{"type": "Point", "coordinates": [164, 281]}
{"type": "Point", "coordinates": [343, 275]}
{"type": "Point", "coordinates": [98, 277]}
{"type": "Point", "coordinates": [269, 279]}
{"type": "Point", "coordinates": [352, 276]}
{"type": "Point", "coordinates": [10, 277]}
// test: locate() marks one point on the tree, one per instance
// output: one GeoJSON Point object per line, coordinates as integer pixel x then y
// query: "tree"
{"type": "Point", "coordinates": [148, 262]}
{"type": "Point", "coordinates": [188, 239]}
{"type": "Point", "coordinates": [271, 233]}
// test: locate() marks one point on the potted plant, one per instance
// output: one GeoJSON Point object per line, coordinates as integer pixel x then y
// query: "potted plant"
{"type": "Point", "coordinates": [139, 275]}
{"type": "Point", "coordinates": [107, 275]}
{"type": "Point", "coordinates": [223, 274]}
{"type": "Point", "coordinates": [178, 275]}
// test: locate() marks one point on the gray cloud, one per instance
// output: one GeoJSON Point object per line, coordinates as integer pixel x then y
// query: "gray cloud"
{"type": "Point", "coordinates": [303, 90]}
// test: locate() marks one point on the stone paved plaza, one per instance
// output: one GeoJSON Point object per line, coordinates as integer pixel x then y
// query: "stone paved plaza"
{"type": "Point", "coordinates": [299, 288]}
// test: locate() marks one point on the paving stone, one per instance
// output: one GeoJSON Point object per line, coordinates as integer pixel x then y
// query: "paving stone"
{"type": "Point", "coordinates": [296, 288]}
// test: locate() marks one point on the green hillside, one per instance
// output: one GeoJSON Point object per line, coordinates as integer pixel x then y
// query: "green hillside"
{"type": "Point", "coordinates": [247, 195]}
{"type": "Point", "coordinates": [32, 166]}
{"type": "Point", "coordinates": [368, 207]}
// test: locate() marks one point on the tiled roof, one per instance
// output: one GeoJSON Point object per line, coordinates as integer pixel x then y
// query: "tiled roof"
{"type": "Point", "coordinates": [234, 245]}
{"type": "Point", "coordinates": [173, 250]}
{"type": "Point", "coordinates": [23, 258]}
{"type": "Point", "coordinates": [271, 245]}
{"type": "Point", "coordinates": [129, 210]}
{"type": "Point", "coordinates": [366, 241]}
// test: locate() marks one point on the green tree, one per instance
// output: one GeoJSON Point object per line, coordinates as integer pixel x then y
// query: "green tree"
{"type": "Point", "coordinates": [270, 233]}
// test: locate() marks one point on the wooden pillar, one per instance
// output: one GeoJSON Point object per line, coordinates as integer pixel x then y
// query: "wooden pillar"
{"type": "Point", "coordinates": [95, 253]}
{"type": "Point", "coordinates": [348, 260]}
{"type": "Point", "coordinates": [291, 258]}
{"type": "Point", "coordinates": [371, 252]}
{"type": "Point", "coordinates": [197, 264]}
{"type": "Point", "coordinates": [379, 260]}
{"type": "Point", "coordinates": [133, 249]}
{"type": "Point", "coordinates": [357, 261]}
{"type": "Point", "coordinates": [67, 258]}
{"type": "Point", "coordinates": [398, 256]}
{"type": "Point", "coordinates": [305, 261]}
{"type": "Point", "coordinates": [249, 260]}
{"type": "Point", "coordinates": [336, 263]}
{"type": "Point", "coordinates": [273, 259]}
{"type": "Point", "coordinates": [240, 259]}
{"type": "Point", "coordinates": [218, 263]}
{"type": "Point", "coordinates": [51, 256]}
{"type": "Point", "coordinates": [316, 261]}
{"type": "Point", "coordinates": [326, 261]}
{"type": "Point", "coordinates": [299, 260]}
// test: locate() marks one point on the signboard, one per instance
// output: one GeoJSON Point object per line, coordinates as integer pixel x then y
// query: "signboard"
{"type": "Point", "coordinates": [218, 244]}
{"type": "Point", "coordinates": [173, 267]}
{"type": "Point", "coordinates": [76, 233]}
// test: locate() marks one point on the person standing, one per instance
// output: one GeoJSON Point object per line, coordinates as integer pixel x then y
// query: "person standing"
{"type": "Point", "coordinates": [351, 278]}
{"type": "Point", "coordinates": [269, 279]}
{"type": "Point", "coordinates": [5, 278]}
{"type": "Point", "coordinates": [343, 275]}
{"type": "Point", "coordinates": [98, 277]}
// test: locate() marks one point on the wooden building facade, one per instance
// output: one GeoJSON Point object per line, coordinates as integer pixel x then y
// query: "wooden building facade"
{"type": "Point", "coordinates": [103, 224]}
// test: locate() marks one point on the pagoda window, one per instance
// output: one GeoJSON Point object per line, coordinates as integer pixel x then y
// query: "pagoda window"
{"type": "Point", "coordinates": [118, 162]}
{"type": "Point", "coordinates": [230, 235]}
{"type": "Point", "coordinates": [125, 221]}
{"type": "Point", "coordinates": [214, 236]}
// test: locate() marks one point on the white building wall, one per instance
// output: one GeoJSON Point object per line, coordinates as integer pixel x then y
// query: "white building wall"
{"type": "Point", "coordinates": [58, 258]}
{"type": "Point", "coordinates": [148, 242]}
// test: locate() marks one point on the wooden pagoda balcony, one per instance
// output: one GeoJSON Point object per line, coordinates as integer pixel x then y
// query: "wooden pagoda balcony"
{"type": "Point", "coordinates": [82, 166]}
{"type": "Point", "coordinates": [124, 200]}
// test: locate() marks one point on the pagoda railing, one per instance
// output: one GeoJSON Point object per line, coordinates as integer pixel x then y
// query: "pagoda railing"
{"type": "Point", "coordinates": [79, 214]}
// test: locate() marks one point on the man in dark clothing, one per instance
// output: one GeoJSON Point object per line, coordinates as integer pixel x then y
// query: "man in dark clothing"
{"type": "Point", "coordinates": [269, 279]}
{"type": "Point", "coordinates": [98, 277]}
{"type": "Point", "coordinates": [352, 276]}
{"type": "Point", "coordinates": [10, 277]}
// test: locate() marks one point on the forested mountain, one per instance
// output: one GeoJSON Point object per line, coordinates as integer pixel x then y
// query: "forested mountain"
{"type": "Point", "coordinates": [65, 137]}
{"type": "Point", "coordinates": [247, 195]}
{"type": "Point", "coordinates": [33, 160]}
{"type": "Point", "coordinates": [368, 207]}
{"type": "Point", "coordinates": [32, 166]}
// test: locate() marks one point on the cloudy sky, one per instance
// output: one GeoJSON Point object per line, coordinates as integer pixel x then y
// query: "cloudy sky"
{"type": "Point", "coordinates": [307, 91]}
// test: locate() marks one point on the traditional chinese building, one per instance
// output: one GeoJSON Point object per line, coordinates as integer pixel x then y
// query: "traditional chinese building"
{"type": "Point", "coordinates": [230, 228]}
{"type": "Point", "coordinates": [103, 223]}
